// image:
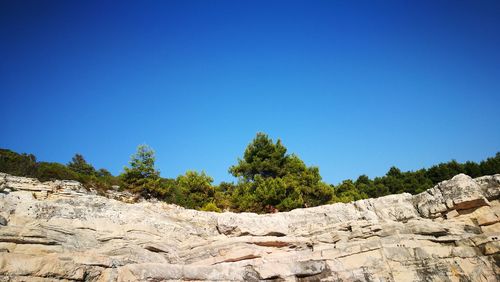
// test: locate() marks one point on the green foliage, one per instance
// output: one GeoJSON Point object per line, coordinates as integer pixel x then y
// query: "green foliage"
{"type": "Point", "coordinates": [270, 178]}
{"type": "Point", "coordinates": [103, 180]}
{"type": "Point", "coordinates": [17, 164]}
{"type": "Point", "coordinates": [53, 171]}
{"type": "Point", "coordinates": [78, 169]}
{"type": "Point", "coordinates": [170, 192]}
{"type": "Point", "coordinates": [243, 198]}
{"type": "Point", "coordinates": [211, 207]}
{"type": "Point", "coordinates": [347, 192]}
{"type": "Point", "coordinates": [262, 157]}
{"type": "Point", "coordinates": [222, 196]}
{"type": "Point", "coordinates": [142, 164]}
{"type": "Point", "coordinates": [414, 182]}
{"type": "Point", "coordinates": [491, 165]}
{"type": "Point", "coordinates": [142, 175]}
{"type": "Point", "coordinates": [102, 172]}
{"type": "Point", "coordinates": [79, 165]}
{"type": "Point", "coordinates": [196, 188]}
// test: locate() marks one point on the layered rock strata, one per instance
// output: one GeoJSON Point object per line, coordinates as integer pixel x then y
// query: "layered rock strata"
{"type": "Point", "coordinates": [60, 231]}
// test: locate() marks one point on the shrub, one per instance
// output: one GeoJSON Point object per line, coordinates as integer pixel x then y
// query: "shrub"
{"type": "Point", "coordinates": [17, 164]}
{"type": "Point", "coordinates": [211, 207]}
{"type": "Point", "coordinates": [54, 171]}
{"type": "Point", "coordinates": [197, 189]}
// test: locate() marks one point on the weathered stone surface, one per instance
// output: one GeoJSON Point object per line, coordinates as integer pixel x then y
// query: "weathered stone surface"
{"type": "Point", "coordinates": [489, 185]}
{"type": "Point", "coordinates": [59, 231]}
{"type": "Point", "coordinates": [459, 193]}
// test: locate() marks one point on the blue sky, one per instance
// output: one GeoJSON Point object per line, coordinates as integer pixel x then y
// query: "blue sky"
{"type": "Point", "coordinates": [353, 87]}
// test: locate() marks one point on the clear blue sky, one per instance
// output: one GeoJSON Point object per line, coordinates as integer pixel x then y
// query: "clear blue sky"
{"type": "Point", "coordinates": [350, 86]}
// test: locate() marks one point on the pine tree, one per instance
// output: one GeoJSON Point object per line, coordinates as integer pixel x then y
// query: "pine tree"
{"type": "Point", "coordinates": [142, 176]}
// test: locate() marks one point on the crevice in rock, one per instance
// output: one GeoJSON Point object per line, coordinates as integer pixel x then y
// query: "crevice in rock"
{"type": "Point", "coordinates": [155, 250]}
{"type": "Point", "coordinates": [86, 228]}
{"type": "Point", "coordinates": [275, 278]}
{"type": "Point", "coordinates": [275, 234]}
{"type": "Point", "coordinates": [472, 229]}
{"type": "Point", "coordinates": [276, 244]}
{"type": "Point", "coordinates": [57, 229]}
{"type": "Point", "coordinates": [247, 257]}
{"type": "Point", "coordinates": [310, 277]}
{"type": "Point", "coordinates": [105, 239]}
{"type": "Point", "coordinates": [360, 252]}
{"type": "Point", "coordinates": [35, 278]}
{"type": "Point", "coordinates": [3, 221]}
{"type": "Point", "coordinates": [19, 240]}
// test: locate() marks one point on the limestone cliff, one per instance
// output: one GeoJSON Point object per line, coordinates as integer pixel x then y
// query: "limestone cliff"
{"type": "Point", "coordinates": [60, 231]}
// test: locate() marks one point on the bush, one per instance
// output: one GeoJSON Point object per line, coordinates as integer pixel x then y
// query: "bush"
{"type": "Point", "coordinates": [17, 164]}
{"type": "Point", "coordinates": [55, 171]}
{"type": "Point", "coordinates": [196, 188]}
{"type": "Point", "coordinates": [210, 207]}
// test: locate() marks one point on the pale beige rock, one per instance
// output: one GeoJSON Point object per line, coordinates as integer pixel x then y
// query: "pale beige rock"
{"type": "Point", "coordinates": [59, 231]}
{"type": "Point", "coordinates": [494, 228]}
{"type": "Point", "coordinates": [452, 214]}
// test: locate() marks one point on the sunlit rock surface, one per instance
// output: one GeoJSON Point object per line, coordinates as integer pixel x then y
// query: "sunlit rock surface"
{"type": "Point", "coordinates": [60, 231]}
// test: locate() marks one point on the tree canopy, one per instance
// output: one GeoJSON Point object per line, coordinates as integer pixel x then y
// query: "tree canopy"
{"type": "Point", "coordinates": [142, 176]}
{"type": "Point", "coordinates": [79, 164]}
{"type": "Point", "coordinates": [197, 188]}
{"type": "Point", "coordinates": [262, 157]}
{"type": "Point", "coordinates": [270, 178]}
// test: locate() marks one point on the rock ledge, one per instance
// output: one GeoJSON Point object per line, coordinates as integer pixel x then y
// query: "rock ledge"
{"type": "Point", "coordinates": [57, 230]}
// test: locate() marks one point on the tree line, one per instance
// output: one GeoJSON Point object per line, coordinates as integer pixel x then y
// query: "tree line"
{"type": "Point", "coordinates": [268, 179]}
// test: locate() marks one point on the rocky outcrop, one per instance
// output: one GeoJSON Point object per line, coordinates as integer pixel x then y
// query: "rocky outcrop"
{"type": "Point", "coordinates": [59, 231]}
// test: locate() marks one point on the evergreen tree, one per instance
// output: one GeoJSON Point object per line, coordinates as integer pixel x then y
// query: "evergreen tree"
{"type": "Point", "coordinates": [262, 157]}
{"type": "Point", "coordinates": [196, 188]}
{"type": "Point", "coordinates": [270, 178]}
{"type": "Point", "coordinates": [79, 165]}
{"type": "Point", "coordinates": [142, 176]}
{"type": "Point", "coordinates": [17, 164]}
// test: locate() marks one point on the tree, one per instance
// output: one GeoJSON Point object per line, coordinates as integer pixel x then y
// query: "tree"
{"type": "Point", "coordinates": [102, 172]}
{"type": "Point", "coordinates": [55, 171]}
{"type": "Point", "coordinates": [142, 163]}
{"type": "Point", "coordinates": [363, 179]}
{"type": "Point", "coordinates": [271, 178]}
{"type": "Point", "coordinates": [491, 165]}
{"type": "Point", "coordinates": [197, 189]}
{"type": "Point", "coordinates": [365, 185]}
{"type": "Point", "coordinates": [222, 195]}
{"type": "Point", "coordinates": [17, 164]}
{"type": "Point", "coordinates": [394, 172]}
{"type": "Point", "coordinates": [79, 164]}
{"type": "Point", "coordinates": [262, 157]}
{"type": "Point", "coordinates": [142, 176]}
{"type": "Point", "coordinates": [347, 192]}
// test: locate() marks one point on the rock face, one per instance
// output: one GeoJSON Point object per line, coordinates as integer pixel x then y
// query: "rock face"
{"type": "Point", "coordinates": [59, 231]}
